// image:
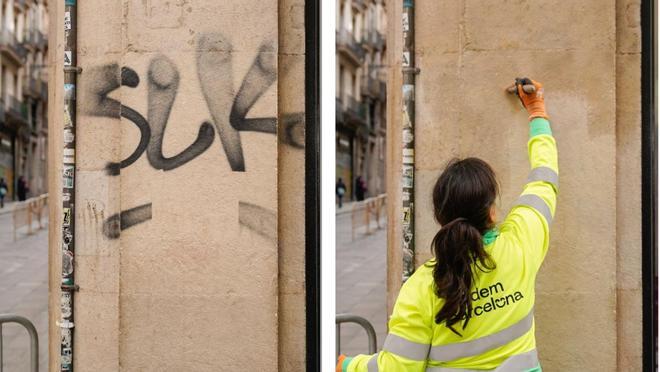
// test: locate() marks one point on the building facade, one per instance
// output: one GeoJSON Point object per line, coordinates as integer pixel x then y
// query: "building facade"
{"type": "Point", "coordinates": [361, 94]}
{"type": "Point", "coordinates": [24, 94]}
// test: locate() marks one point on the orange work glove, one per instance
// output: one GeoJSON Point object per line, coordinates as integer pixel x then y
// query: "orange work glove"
{"type": "Point", "coordinates": [533, 102]}
{"type": "Point", "coordinates": [340, 361]}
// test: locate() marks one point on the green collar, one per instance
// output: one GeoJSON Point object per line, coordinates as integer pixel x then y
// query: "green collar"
{"type": "Point", "coordinates": [491, 235]}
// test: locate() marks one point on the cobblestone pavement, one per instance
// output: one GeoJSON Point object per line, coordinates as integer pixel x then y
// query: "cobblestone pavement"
{"type": "Point", "coordinates": [23, 291]}
{"type": "Point", "coordinates": [361, 266]}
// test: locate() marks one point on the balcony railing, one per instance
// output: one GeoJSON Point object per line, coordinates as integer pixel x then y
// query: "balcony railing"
{"type": "Point", "coordinates": [9, 43]}
{"type": "Point", "coordinates": [339, 110]}
{"type": "Point", "coordinates": [16, 108]}
{"type": "Point", "coordinates": [31, 87]}
{"type": "Point", "coordinates": [356, 108]}
{"type": "Point", "coordinates": [382, 91]}
{"type": "Point", "coordinates": [42, 40]}
{"type": "Point", "coordinates": [373, 39]}
{"type": "Point", "coordinates": [346, 43]}
{"type": "Point", "coordinates": [370, 87]}
{"type": "Point", "coordinates": [44, 90]}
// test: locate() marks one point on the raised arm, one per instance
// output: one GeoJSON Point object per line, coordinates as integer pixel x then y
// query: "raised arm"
{"type": "Point", "coordinates": [529, 220]}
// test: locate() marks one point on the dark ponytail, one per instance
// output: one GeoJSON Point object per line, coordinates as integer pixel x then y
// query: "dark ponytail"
{"type": "Point", "coordinates": [462, 198]}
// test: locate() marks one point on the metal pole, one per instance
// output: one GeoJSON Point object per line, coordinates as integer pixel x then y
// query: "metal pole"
{"type": "Point", "coordinates": [32, 332]}
{"type": "Point", "coordinates": [68, 186]}
{"type": "Point", "coordinates": [1, 347]}
{"type": "Point", "coordinates": [408, 138]}
{"type": "Point", "coordinates": [364, 323]}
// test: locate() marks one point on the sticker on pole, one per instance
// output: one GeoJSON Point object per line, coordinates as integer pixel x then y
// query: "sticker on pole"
{"type": "Point", "coordinates": [406, 59]}
{"type": "Point", "coordinates": [69, 156]}
{"type": "Point", "coordinates": [67, 21]}
{"type": "Point", "coordinates": [67, 58]}
{"type": "Point", "coordinates": [68, 135]}
{"type": "Point", "coordinates": [67, 176]}
{"type": "Point", "coordinates": [68, 120]}
{"type": "Point", "coordinates": [69, 92]}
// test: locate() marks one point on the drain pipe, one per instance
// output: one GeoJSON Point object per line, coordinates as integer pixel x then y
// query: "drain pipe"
{"type": "Point", "coordinates": [68, 285]}
{"type": "Point", "coordinates": [408, 138]}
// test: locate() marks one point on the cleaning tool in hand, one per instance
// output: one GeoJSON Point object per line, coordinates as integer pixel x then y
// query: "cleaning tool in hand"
{"type": "Point", "coordinates": [530, 93]}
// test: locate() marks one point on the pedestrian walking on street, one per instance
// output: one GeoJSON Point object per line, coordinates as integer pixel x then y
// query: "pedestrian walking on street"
{"type": "Point", "coordinates": [340, 190]}
{"type": "Point", "coordinates": [471, 307]}
{"type": "Point", "coordinates": [22, 189]}
{"type": "Point", "coordinates": [3, 191]}
{"type": "Point", "coordinates": [360, 188]}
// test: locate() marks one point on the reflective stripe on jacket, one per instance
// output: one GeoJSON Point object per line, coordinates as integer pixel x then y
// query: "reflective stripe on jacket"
{"type": "Point", "coordinates": [500, 334]}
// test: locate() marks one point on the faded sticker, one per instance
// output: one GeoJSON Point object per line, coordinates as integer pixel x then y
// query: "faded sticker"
{"type": "Point", "coordinates": [406, 23]}
{"type": "Point", "coordinates": [408, 156]}
{"type": "Point", "coordinates": [408, 92]}
{"type": "Point", "coordinates": [66, 357]}
{"type": "Point", "coordinates": [66, 197]}
{"type": "Point", "coordinates": [407, 176]}
{"type": "Point", "coordinates": [405, 196]}
{"type": "Point", "coordinates": [68, 135]}
{"type": "Point", "coordinates": [67, 176]}
{"type": "Point", "coordinates": [69, 92]}
{"type": "Point", "coordinates": [67, 237]}
{"type": "Point", "coordinates": [406, 118]}
{"type": "Point", "coordinates": [406, 216]}
{"type": "Point", "coordinates": [67, 21]}
{"type": "Point", "coordinates": [65, 304]}
{"type": "Point", "coordinates": [67, 58]}
{"type": "Point", "coordinates": [66, 217]}
{"type": "Point", "coordinates": [407, 235]}
{"type": "Point", "coordinates": [70, 2]}
{"type": "Point", "coordinates": [66, 337]}
{"type": "Point", "coordinates": [67, 263]}
{"type": "Point", "coordinates": [407, 136]}
{"type": "Point", "coordinates": [69, 156]}
{"type": "Point", "coordinates": [406, 59]}
{"type": "Point", "coordinates": [68, 122]}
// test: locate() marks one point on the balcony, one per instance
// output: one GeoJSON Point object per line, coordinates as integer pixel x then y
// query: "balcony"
{"type": "Point", "coordinates": [16, 111]}
{"type": "Point", "coordinates": [382, 91]}
{"type": "Point", "coordinates": [34, 39]}
{"type": "Point", "coordinates": [42, 40]}
{"type": "Point", "coordinates": [354, 112]}
{"type": "Point", "coordinates": [339, 110]}
{"type": "Point", "coordinates": [347, 46]}
{"type": "Point", "coordinates": [373, 39]}
{"type": "Point", "coordinates": [43, 90]}
{"type": "Point", "coordinates": [11, 48]}
{"type": "Point", "coordinates": [370, 87]}
{"type": "Point", "coordinates": [31, 87]}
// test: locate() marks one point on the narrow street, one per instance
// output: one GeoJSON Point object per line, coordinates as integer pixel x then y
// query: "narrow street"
{"type": "Point", "coordinates": [361, 266]}
{"type": "Point", "coordinates": [23, 291]}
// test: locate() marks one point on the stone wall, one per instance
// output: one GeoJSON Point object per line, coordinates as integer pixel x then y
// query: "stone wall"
{"type": "Point", "coordinates": [190, 236]}
{"type": "Point", "coordinates": [587, 53]}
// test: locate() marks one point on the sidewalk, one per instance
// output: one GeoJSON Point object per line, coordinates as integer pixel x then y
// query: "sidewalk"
{"type": "Point", "coordinates": [345, 208]}
{"type": "Point", "coordinates": [23, 291]}
{"type": "Point", "coordinates": [9, 206]}
{"type": "Point", "coordinates": [361, 281]}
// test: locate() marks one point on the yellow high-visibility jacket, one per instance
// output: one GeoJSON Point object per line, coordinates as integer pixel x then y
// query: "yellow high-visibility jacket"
{"type": "Point", "coordinates": [500, 333]}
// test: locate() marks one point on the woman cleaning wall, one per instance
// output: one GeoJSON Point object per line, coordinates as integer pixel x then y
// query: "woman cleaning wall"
{"type": "Point", "coordinates": [471, 307]}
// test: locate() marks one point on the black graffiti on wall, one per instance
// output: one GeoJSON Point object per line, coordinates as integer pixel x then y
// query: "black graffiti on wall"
{"type": "Point", "coordinates": [229, 111]}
